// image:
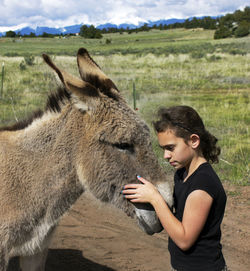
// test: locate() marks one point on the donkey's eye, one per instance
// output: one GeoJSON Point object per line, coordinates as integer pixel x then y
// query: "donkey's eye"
{"type": "Point", "coordinates": [125, 147]}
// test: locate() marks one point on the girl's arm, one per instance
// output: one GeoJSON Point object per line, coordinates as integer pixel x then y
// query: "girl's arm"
{"type": "Point", "coordinates": [196, 211]}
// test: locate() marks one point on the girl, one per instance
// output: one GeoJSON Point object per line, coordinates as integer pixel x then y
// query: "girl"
{"type": "Point", "coordinates": [199, 198]}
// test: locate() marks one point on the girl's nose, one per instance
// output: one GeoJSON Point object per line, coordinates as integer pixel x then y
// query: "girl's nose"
{"type": "Point", "coordinates": [167, 154]}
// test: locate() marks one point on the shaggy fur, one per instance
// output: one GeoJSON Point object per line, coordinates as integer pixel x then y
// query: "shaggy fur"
{"type": "Point", "coordinates": [87, 138]}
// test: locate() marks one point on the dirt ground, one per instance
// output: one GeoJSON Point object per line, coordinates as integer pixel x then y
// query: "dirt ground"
{"type": "Point", "coordinates": [97, 237]}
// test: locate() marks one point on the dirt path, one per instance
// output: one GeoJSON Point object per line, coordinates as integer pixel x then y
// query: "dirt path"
{"type": "Point", "coordinates": [96, 237]}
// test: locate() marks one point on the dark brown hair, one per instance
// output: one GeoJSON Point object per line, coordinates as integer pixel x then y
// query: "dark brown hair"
{"type": "Point", "coordinates": [184, 121]}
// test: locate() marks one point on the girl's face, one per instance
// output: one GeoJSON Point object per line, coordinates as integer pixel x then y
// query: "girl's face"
{"type": "Point", "coordinates": [178, 152]}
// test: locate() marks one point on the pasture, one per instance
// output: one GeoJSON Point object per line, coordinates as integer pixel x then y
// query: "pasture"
{"type": "Point", "coordinates": [167, 67]}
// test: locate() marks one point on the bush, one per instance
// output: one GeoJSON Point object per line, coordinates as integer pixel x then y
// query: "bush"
{"type": "Point", "coordinates": [90, 32]}
{"type": "Point", "coordinates": [10, 34]}
{"type": "Point", "coordinates": [198, 54]}
{"type": "Point", "coordinates": [11, 54]}
{"type": "Point", "coordinates": [108, 41]}
{"type": "Point", "coordinates": [29, 60]}
{"type": "Point", "coordinates": [222, 32]}
{"type": "Point", "coordinates": [22, 65]}
{"type": "Point", "coordinates": [214, 58]}
{"type": "Point", "coordinates": [242, 30]}
{"type": "Point", "coordinates": [236, 51]}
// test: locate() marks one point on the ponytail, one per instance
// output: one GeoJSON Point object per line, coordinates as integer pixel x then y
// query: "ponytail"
{"type": "Point", "coordinates": [208, 147]}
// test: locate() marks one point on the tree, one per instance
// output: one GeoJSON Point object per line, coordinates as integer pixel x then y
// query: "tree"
{"type": "Point", "coordinates": [242, 30]}
{"type": "Point", "coordinates": [10, 34]}
{"type": "Point", "coordinates": [236, 24]}
{"type": "Point", "coordinates": [238, 14]}
{"type": "Point", "coordinates": [145, 27]}
{"type": "Point", "coordinates": [90, 32]}
{"type": "Point", "coordinates": [227, 20]}
{"type": "Point", "coordinates": [194, 23]}
{"type": "Point", "coordinates": [32, 35]}
{"type": "Point", "coordinates": [222, 32]}
{"type": "Point", "coordinates": [47, 35]}
{"type": "Point", "coordinates": [246, 15]}
{"type": "Point", "coordinates": [208, 23]}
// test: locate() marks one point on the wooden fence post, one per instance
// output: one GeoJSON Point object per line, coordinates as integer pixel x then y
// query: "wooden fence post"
{"type": "Point", "coordinates": [134, 96]}
{"type": "Point", "coordinates": [1, 93]}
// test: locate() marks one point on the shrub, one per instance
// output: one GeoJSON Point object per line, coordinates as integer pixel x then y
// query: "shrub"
{"type": "Point", "coordinates": [22, 65]}
{"type": "Point", "coordinates": [90, 32]}
{"type": "Point", "coordinates": [222, 32]}
{"type": "Point", "coordinates": [214, 58]}
{"type": "Point", "coordinates": [108, 41]}
{"type": "Point", "coordinates": [198, 54]}
{"type": "Point", "coordinates": [242, 30]}
{"type": "Point", "coordinates": [236, 51]}
{"type": "Point", "coordinates": [11, 54]}
{"type": "Point", "coordinates": [10, 34]}
{"type": "Point", "coordinates": [29, 60]}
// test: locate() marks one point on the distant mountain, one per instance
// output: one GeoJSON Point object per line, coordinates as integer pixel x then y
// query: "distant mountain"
{"type": "Point", "coordinates": [26, 31]}
{"type": "Point", "coordinates": [166, 22]}
{"type": "Point", "coordinates": [124, 26]}
{"type": "Point", "coordinates": [102, 26]}
{"type": "Point", "coordinates": [73, 29]}
{"type": "Point", "coordinates": [128, 26]}
{"type": "Point", "coordinates": [49, 30]}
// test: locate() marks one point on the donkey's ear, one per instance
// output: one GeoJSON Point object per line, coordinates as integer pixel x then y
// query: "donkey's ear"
{"type": "Point", "coordinates": [92, 73]}
{"type": "Point", "coordinates": [85, 94]}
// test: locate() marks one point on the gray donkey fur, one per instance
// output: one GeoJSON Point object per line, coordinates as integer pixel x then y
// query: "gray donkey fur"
{"type": "Point", "coordinates": [87, 138]}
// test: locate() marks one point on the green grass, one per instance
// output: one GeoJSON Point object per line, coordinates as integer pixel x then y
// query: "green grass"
{"type": "Point", "coordinates": [157, 42]}
{"type": "Point", "coordinates": [167, 67]}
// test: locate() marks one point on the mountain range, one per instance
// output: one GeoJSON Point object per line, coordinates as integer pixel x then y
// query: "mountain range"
{"type": "Point", "coordinates": [73, 29]}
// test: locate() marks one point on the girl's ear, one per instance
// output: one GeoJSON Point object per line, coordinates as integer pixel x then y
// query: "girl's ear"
{"type": "Point", "coordinates": [194, 141]}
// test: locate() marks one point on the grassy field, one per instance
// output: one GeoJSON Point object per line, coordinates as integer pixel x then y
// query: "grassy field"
{"type": "Point", "coordinates": [168, 68]}
{"type": "Point", "coordinates": [157, 42]}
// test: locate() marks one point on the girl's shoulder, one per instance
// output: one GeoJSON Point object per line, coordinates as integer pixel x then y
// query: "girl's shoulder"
{"type": "Point", "coordinates": [205, 178]}
{"type": "Point", "coordinates": [204, 169]}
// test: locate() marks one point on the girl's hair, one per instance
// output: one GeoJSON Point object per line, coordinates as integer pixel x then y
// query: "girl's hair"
{"type": "Point", "coordinates": [184, 121]}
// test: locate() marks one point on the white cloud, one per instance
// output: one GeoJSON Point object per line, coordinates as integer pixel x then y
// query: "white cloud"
{"type": "Point", "coordinates": [59, 13]}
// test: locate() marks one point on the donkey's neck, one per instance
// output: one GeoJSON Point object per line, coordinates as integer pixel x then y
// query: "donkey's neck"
{"type": "Point", "coordinates": [41, 159]}
{"type": "Point", "coordinates": [47, 149]}
{"type": "Point", "coordinates": [43, 133]}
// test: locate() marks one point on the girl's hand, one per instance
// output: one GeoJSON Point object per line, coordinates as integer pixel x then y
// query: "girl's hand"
{"type": "Point", "coordinates": [145, 192]}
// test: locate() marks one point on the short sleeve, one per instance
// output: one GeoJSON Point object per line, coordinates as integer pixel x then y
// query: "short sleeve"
{"type": "Point", "coordinates": [204, 182]}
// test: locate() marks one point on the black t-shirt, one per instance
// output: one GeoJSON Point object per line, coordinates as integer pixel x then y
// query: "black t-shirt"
{"type": "Point", "coordinates": [205, 254]}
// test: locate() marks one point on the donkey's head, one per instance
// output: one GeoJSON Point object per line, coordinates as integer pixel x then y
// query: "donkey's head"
{"type": "Point", "coordinates": [112, 144]}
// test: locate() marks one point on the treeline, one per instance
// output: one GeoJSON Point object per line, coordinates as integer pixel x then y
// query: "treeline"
{"type": "Point", "coordinates": [206, 23]}
{"type": "Point", "coordinates": [236, 24]}
{"type": "Point", "coordinates": [92, 32]}
{"type": "Point", "coordinates": [13, 34]}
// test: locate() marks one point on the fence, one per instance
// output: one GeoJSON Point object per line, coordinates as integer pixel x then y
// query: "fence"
{"type": "Point", "coordinates": [2, 81]}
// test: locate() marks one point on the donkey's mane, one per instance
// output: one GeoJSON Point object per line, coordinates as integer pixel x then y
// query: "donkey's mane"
{"type": "Point", "coordinates": [57, 99]}
{"type": "Point", "coordinates": [54, 104]}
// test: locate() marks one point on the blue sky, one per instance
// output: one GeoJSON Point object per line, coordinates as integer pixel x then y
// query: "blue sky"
{"type": "Point", "coordinates": [15, 14]}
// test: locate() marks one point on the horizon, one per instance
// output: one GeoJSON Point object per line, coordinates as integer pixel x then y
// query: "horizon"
{"type": "Point", "coordinates": [117, 25]}
{"type": "Point", "coordinates": [60, 14]}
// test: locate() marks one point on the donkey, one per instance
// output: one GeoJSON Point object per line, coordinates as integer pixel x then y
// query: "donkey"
{"type": "Point", "coordinates": [86, 139]}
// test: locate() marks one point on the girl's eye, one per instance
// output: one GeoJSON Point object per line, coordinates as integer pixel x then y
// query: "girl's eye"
{"type": "Point", "coordinates": [169, 148]}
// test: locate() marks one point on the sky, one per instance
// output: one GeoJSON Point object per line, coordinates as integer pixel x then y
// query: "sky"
{"type": "Point", "coordinates": [16, 14]}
